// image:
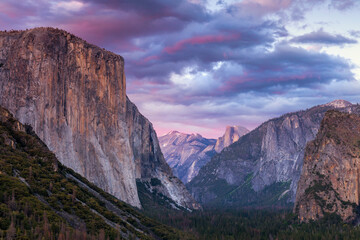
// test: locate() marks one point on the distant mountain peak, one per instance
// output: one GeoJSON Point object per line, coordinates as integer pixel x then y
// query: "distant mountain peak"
{"type": "Point", "coordinates": [339, 103]}
{"type": "Point", "coordinates": [229, 128]}
{"type": "Point", "coordinates": [236, 128]}
{"type": "Point", "coordinates": [186, 153]}
{"type": "Point", "coordinates": [174, 132]}
{"type": "Point", "coordinates": [232, 134]}
{"type": "Point", "coordinates": [197, 135]}
{"type": "Point", "coordinates": [233, 126]}
{"type": "Point", "coordinates": [181, 134]}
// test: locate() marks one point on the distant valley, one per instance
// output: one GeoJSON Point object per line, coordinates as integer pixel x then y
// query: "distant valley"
{"type": "Point", "coordinates": [78, 158]}
{"type": "Point", "coordinates": [306, 159]}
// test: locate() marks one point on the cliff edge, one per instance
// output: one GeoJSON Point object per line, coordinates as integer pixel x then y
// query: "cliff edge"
{"type": "Point", "coordinates": [73, 94]}
{"type": "Point", "coordinates": [330, 178]}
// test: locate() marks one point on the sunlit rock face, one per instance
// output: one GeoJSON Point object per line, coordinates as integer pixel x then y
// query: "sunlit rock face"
{"type": "Point", "coordinates": [232, 134]}
{"type": "Point", "coordinates": [264, 164]}
{"type": "Point", "coordinates": [73, 94]}
{"type": "Point", "coordinates": [330, 178]}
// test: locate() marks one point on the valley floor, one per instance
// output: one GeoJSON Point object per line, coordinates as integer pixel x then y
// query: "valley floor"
{"type": "Point", "coordinates": [255, 224]}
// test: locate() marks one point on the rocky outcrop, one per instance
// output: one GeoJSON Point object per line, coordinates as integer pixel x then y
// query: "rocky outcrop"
{"type": "Point", "coordinates": [150, 163]}
{"type": "Point", "coordinates": [330, 178]}
{"type": "Point", "coordinates": [73, 94]}
{"type": "Point", "coordinates": [265, 164]}
{"type": "Point", "coordinates": [186, 153]}
{"type": "Point", "coordinates": [338, 104]}
{"type": "Point", "coordinates": [232, 134]}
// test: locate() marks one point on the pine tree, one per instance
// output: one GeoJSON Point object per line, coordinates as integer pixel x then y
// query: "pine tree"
{"type": "Point", "coordinates": [11, 232]}
{"type": "Point", "coordinates": [46, 227]}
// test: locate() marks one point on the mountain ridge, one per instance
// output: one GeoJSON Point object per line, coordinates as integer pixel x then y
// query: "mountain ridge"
{"type": "Point", "coordinates": [266, 160]}
{"type": "Point", "coordinates": [187, 153]}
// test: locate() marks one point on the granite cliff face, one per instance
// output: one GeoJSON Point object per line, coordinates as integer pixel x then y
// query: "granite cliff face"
{"type": "Point", "coordinates": [150, 163]}
{"type": "Point", "coordinates": [232, 134]}
{"type": "Point", "coordinates": [31, 174]}
{"type": "Point", "coordinates": [187, 153]}
{"type": "Point", "coordinates": [73, 94]}
{"type": "Point", "coordinates": [263, 167]}
{"type": "Point", "coordinates": [330, 178]}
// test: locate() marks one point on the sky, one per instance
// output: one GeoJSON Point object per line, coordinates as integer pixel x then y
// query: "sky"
{"type": "Point", "coordinates": [197, 66]}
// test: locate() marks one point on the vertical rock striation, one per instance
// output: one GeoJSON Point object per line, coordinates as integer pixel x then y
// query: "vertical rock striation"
{"type": "Point", "coordinates": [150, 162]}
{"type": "Point", "coordinates": [264, 166]}
{"type": "Point", "coordinates": [73, 94]}
{"type": "Point", "coordinates": [330, 178]}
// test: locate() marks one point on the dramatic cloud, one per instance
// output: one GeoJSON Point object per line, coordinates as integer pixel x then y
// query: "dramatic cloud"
{"type": "Point", "coordinates": [184, 10]}
{"type": "Point", "coordinates": [198, 65]}
{"type": "Point", "coordinates": [286, 9]}
{"type": "Point", "coordinates": [263, 7]}
{"type": "Point", "coordinates": [72, 6]}
{"type": "Point", "coordinates": [223, 40]}
{"type": "Point", "coordinates": [322, 37]}
{"type": "Point", "coordinates": [285, 68]}
{"type": "Point", "coordinates": [201, 40]}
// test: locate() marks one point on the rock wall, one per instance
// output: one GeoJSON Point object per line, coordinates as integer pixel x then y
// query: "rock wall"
{"type": "Point", "coordinates": [330, 178]}
{"type": "Point", "coordinates": [73, 94]}
{"type": "Point", "coordinates": [150, 162]}
{"type": "Point", "coordinates": [270, 154]}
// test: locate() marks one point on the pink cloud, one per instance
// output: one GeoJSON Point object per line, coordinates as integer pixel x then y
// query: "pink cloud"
{"type": "Point", "coordinates": [148, 59]}
{"type": "Point", "coordinates": [297, 8]}
{"type": "Point", "coordinates": [256, 79]}
{"type": "Point", "coordinates": [13, 11]}
{"type": "Point", "coordinates": [97, 31]}
{"type": "Point", "coordinates": [278, 79]}
{"type": "Point", "coordinates": [261, 7]}
{"type": "Point", "coordinates": [234, 82]}
{"type": "Point", "coordinates": [200, 40]}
